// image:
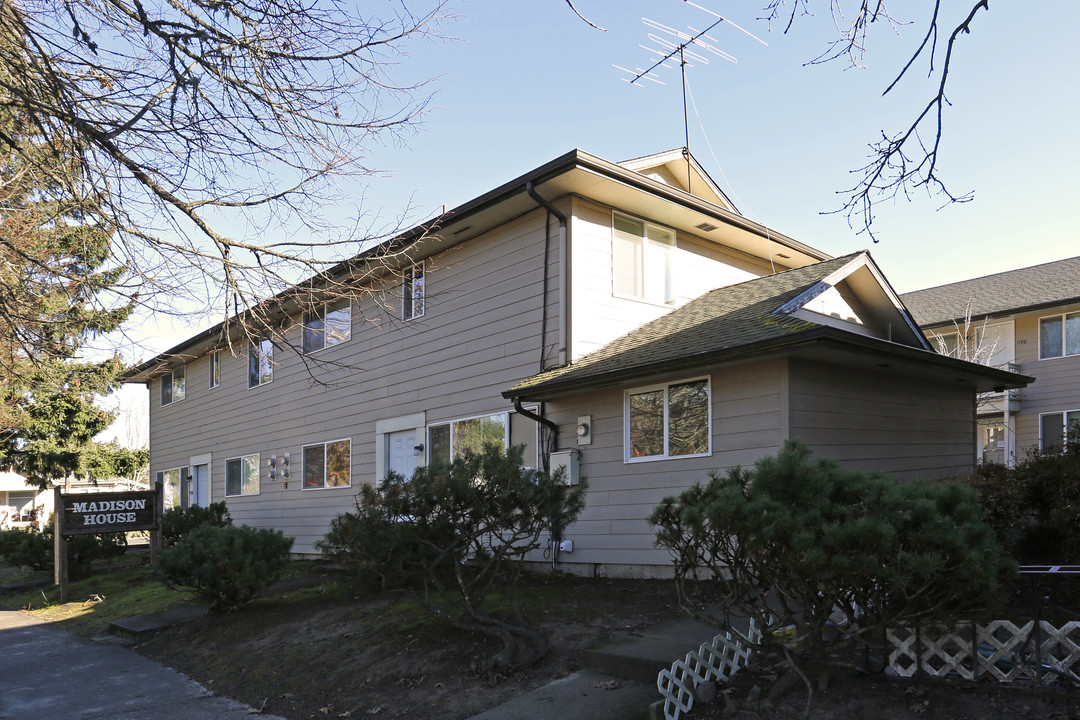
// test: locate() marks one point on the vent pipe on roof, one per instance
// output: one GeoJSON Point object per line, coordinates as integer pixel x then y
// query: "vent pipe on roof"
{"type": "Point", "coordinates": [564, 294]}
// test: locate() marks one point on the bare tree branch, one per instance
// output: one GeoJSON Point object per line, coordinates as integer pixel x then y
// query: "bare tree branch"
{"type": "Point", "coordinates": [906, 161]}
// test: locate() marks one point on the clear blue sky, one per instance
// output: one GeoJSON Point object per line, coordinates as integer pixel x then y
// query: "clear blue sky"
{"type": "Point", "coordinates": [527, 81]}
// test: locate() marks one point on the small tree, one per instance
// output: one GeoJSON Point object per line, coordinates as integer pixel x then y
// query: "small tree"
{"type": "Point", "coordinates": [834, 553]}
{"type": "Point", "coordinates": [455, 534]}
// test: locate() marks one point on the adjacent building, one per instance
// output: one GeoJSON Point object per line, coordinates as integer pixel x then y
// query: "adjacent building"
{"type": "Point", "coordinates": [1026, 321]}
{"type": "Point", "coordinates": [622, 320]}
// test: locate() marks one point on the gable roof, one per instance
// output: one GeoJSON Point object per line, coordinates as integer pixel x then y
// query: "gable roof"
{"type": "Point", "coordinates": [685, 173]}
{"type": "Point", "coordinates": [749, 319]}
{"type": "Point", "coordinates": [1053, 283]}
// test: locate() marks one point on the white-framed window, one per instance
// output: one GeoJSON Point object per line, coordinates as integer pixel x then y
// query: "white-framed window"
{"type": "Point", "coordinates": [260, 363]}
{"type": "Point", "coordinates": [1059, 335]}
{"type": "Point", "coordinates": [242, 475]}
{"type": "Point", "coordinates": [947, 344]}
{"type": "Point", "coordinates": [172, 386]}
{"type": "Point", "coordinates": [328, 325]}
{"type": "Point", "coordinates": [328, 465]}
{"type": "Point", "coordinates": [668, 421]}
{"type": "Point", "coordinates": [643, 260]}
{"type": "Point", "coordinates": [215, 368]}
{"type": "Point", "coordinates": [174, 484]}
{"type": "Point", "coordinates": [1054, 429]}
{"type": "Point", "coordinates": [449, 440]}
{"type": "Point", "coordinates": [412, 292]}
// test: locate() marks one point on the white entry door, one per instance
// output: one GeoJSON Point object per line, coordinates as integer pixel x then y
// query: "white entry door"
{"type": "Point", "coordinates": [401, 452]}
{"type": "Point", "coordinates": [200, 485]}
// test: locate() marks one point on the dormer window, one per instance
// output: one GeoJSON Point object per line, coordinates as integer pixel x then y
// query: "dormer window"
{"type": "Point", "coordinates": [643, 259]}
{"type": "Point", "coordinates": [172, 386]}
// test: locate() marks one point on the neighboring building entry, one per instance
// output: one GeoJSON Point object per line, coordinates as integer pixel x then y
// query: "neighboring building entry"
{"type": "Point", "coordinates": [401, 453]}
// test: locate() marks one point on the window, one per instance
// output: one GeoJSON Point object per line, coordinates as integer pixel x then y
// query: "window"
{"type": "Point", "coordinates": [1054, 429]}
{"type": "Point", "coordinates": [1059, 335]}
{"type": "Point", "coordinates": [452, 439]}
{"type": "Point", "coordinates": [329, 325]}
{"type": "Point", "coordinates": [173, 485]}
{"type": "Point", "coordinates": [242, 476]}
{"type": "Point", "coordinates": [412, 305]}
{"type": "Point", "coordinates": [260, 363]}
{"type": "Point", "coordinates": [667, 421]}
{"type": "Point", "coordinates": [948, 344]}
{"type": "Point", "coordinates": [172, 386]}
{"type": "Point", "coordinates": [327, 465]}
{"type": "Point", "coordinates": [643, 258]}
{"type": "Point", "coordinates": [215, 368]}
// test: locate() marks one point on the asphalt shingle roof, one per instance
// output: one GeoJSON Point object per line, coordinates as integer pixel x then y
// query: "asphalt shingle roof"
{"type": "Point", "coordinates": [720, 320]}
{"type": "Point", "coordinates": [1002, 293]}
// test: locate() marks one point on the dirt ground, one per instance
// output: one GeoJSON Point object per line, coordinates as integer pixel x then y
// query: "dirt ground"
{"type": "Point", "coordinates": [318, 653]}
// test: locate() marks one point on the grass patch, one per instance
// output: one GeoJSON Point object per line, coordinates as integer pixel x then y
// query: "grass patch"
{"type": "Point", "coordinates": [97, 600]}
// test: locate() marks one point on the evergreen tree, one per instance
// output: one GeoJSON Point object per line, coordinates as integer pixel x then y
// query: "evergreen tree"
{"type": "Point", "coordinates": [57, 290]}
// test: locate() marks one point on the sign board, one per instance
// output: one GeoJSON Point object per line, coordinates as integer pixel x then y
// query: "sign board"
{"type": "Point", "coordinates": [84, 514]}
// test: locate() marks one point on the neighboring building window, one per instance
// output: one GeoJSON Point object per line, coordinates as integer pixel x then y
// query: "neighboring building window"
{"type": "Point", "coordinates": [215, 368]}
{"type": "Point", "coordinates": [412, 305]}
{"type": "Point", "coordinates": [643, 258]}
{"type": "Point", "coordinates": [1059, 335]}
{"type": "Point", "coordinates": [948, 344]}
{"type": "Point", "coordinates": [665, 421]}
{"type": "Point", "coordinates": [172, 386]}
{"type": "Point", "coordinates": [327, 465]}
{"type": "Point", "coordinates": [452, 439]}
{"type": "Point", "coordinates": [260, 363]}
{"type": "Point", "coordinates": [1054, 429]}
{"type": "Point", "coordinates": [242, 476]}
{"type": "Point", "coordinates": [329, 325]}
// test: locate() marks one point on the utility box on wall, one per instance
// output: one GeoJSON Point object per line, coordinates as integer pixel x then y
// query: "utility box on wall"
{"type": "Point", "coordinates": [567, 459]}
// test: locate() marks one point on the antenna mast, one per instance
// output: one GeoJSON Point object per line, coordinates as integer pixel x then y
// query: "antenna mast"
{"type": "Point", "coordinates": [687, 49]}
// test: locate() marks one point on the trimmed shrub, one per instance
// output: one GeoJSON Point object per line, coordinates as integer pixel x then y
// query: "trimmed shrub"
{"type": "Point", "coordinates": [178, 522]}
{"type": "Point", "coordinates": [31, 548]}
{"type": "Point", "coordinates": [1034, 507]}
{"type": "Point", "coordinates": [226, 566]}
{"type": "Point", "coordinates": [26, 548]}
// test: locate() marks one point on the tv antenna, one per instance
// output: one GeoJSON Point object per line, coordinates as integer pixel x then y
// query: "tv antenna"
{"type": "Point", "coordinates": [694, 46]}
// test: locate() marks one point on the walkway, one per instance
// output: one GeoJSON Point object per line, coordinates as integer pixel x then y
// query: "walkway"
{"type": "Point", "coordinates": [50, 673]}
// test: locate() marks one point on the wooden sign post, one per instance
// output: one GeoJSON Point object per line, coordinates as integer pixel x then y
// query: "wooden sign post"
{"type": "Point", "coordinates": [91, 514]}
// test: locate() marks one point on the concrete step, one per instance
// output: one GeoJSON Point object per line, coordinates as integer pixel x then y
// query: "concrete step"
{"type": "Point", "coordinates": [138, 627]}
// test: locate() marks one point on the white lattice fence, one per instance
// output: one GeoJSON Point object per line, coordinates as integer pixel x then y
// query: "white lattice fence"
{"type": "Point", "coordinates": [718, 660]}
{"type": "Point", "coordinates": [1000, 649]}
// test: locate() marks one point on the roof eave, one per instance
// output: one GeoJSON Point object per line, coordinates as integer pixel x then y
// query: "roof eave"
{"type": "Point", "coordinates": [982, 376]}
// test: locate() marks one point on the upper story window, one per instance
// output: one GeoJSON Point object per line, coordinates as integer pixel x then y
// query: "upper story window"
{"type": "Point", "coordinates": [260, 363]}
{"type": "Point", "coordinates": [1059, 335]}
{"type": "Point", "coordinates": [666, 421]}
{"type": "Point", "coordinates": [242, 476]}
{"type": "Point", "coordinates": [412, 292]}
{"type": "Point", "coordinates": [643, 259]}
{"type": "Point", "coordinates": [329, 325]}
{"type": "Point", "coordinates": [327, 465]}
{"type": "Point", "coordinates": [215, 368]}
{"type": "Point", "coordinates": [172, 385]}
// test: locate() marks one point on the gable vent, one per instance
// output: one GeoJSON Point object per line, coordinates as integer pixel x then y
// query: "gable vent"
{"type": "Point", "coordinates": [706, 227]}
